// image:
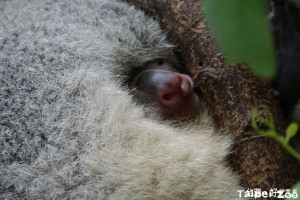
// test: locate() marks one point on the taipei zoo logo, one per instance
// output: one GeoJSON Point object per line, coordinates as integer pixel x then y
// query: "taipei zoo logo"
{"type": "Point", "coordinates": [273, 192]}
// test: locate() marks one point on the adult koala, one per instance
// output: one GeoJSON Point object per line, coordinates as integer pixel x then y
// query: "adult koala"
{"type": "Point", "coordinates": [69, 129]}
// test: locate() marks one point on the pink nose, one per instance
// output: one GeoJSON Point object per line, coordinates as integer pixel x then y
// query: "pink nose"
{"type": "Point", "coordinates": [175, 90]}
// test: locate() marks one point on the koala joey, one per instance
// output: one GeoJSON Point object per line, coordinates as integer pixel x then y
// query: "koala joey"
{"type": "Point", "coordinates": [70, 129]}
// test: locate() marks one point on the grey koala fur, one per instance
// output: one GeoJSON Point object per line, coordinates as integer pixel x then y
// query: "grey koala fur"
{"type": "Point", "coordinates": [69, 128]}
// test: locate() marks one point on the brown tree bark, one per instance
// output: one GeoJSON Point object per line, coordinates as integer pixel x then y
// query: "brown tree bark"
{"type": "Point", "coordinates": [230, 91]}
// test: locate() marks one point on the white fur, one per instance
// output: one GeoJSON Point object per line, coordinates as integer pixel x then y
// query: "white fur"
{"type": "Point", "coordinates": [70, 130]}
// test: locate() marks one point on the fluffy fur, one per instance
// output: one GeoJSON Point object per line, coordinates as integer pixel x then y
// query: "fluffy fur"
{"type": "Point", "coordinates": [68, 127]}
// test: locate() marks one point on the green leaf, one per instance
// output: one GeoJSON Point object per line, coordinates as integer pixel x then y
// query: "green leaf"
{"type": "Point", "coordinates": [291, 131]}
{"type": "Point", "coordinates": [242, 32]}
{"type": "Point", "coordinates": [295, 188]}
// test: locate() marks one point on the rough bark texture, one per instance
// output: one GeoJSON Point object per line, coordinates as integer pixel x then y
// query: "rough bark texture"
{"type": "Point", "coordinates": [231, 93]}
